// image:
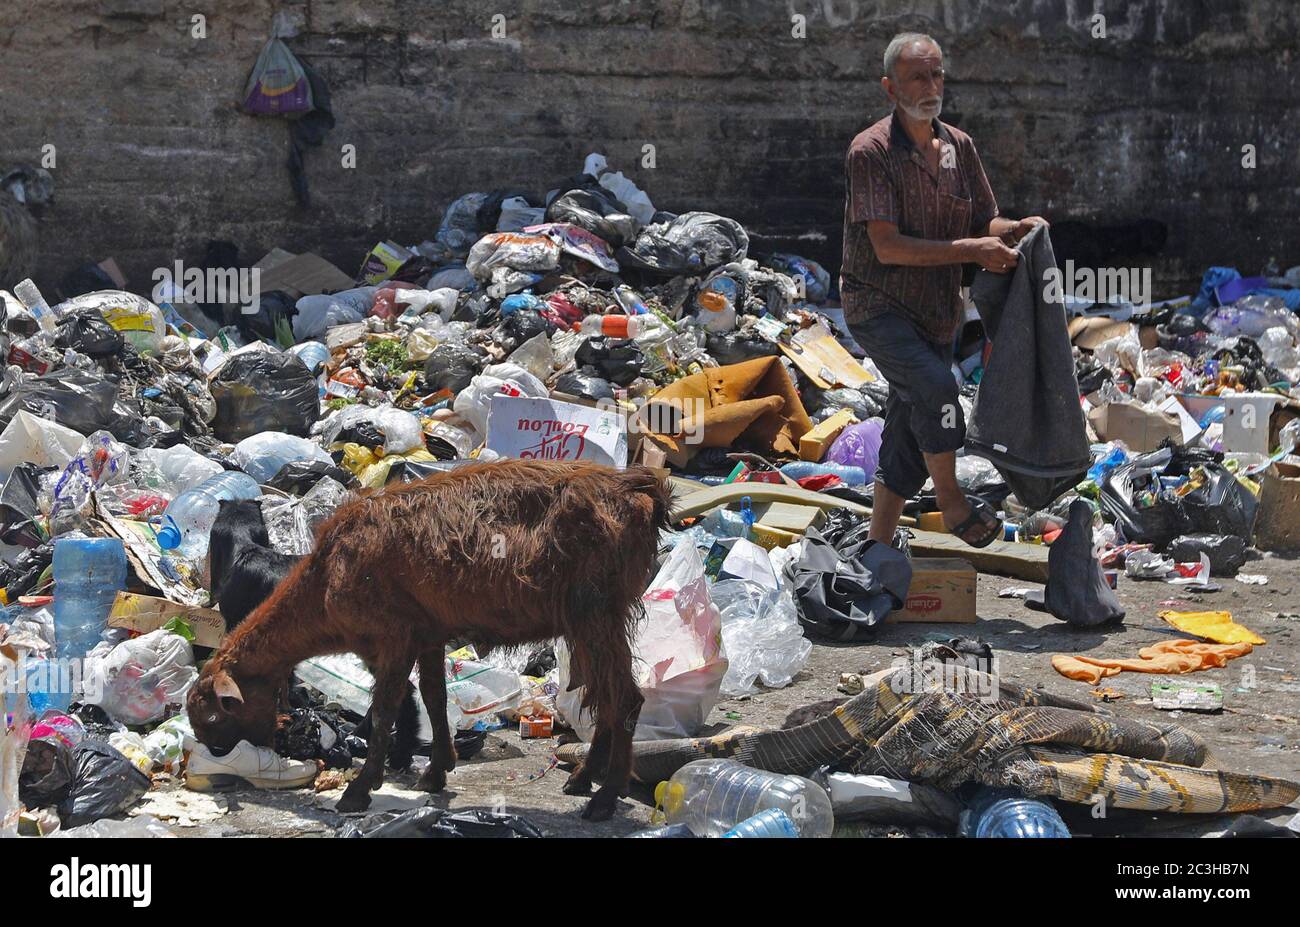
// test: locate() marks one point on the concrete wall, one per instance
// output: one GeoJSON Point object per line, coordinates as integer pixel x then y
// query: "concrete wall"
{"type": "Point", "coordinates": [153, 159]}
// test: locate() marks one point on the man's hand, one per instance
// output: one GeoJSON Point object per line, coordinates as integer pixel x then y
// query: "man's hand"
{"type": "Point", "coordinates": [991, 254]}
{"type": "Point", "coordinates": [1025, 226]}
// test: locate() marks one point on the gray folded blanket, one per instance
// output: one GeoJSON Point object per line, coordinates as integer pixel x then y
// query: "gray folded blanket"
{"type": "Point", "coordinates": [1027, 419]}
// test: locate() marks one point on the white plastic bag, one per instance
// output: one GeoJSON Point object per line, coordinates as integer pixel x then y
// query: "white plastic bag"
{"type": "Point", "coordinates": [138, 679]}
{"type": "Point", "coordinates": [262, 455]}
{"type": "Point", "coordinates": [474, 403]}
{"type": "Point", "coordinates": [516, 214]}
{"type": "Point", "coordinates": [317, 314]}
{"type": "Point", "coordinates": [401, 430]}
{"type": "Point", "coordinates": [30, 439]}
{"type": "Point", "coordinates": [174, 469]}
{"type": "Point", "coordinates": [762, 635]}
{"type": "Point", "coordinates": [678, 655]}
{"type": "Point", "coordinates": [514, 250]}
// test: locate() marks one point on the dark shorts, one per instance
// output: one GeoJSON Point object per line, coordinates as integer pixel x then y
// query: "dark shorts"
{"type": "Point", "coordinates": [923, 414]}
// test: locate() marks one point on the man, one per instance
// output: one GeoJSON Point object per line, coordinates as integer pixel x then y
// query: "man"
{"type": "Point", "coordinates": [917, 207]}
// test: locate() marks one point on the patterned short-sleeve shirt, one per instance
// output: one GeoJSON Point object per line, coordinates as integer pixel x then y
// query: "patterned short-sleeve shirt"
{"type": "Point", "coordinates": [888, 179]}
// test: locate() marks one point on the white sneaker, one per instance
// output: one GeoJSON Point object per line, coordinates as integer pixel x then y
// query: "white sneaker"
{"type": "Point", "coordinates": [247, 766]}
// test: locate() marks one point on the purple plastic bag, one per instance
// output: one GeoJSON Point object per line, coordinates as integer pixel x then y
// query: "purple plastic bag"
{"type": "Point", "coordinates": [858, 446]}
{"type": "Point", "coordinates": [278, 85]}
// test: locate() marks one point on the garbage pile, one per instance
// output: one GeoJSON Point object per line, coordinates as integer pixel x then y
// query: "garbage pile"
{"type": "Point", "coordinates": [580, 324]}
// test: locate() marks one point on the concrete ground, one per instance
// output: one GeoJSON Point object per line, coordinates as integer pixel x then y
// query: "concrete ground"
{"type": "Point", "coordinates": [1257, 732]}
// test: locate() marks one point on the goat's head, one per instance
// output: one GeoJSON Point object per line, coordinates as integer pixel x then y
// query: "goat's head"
{"type": "Point", "coordinates": [222, 712]}
{"type": "Point", "coordinates": [31, 186]}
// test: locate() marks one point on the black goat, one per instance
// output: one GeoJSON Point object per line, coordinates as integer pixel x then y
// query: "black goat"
{"type": "Point", "coordinates": [245, 570]}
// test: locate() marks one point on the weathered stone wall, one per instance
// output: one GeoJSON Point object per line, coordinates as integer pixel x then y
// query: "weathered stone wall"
{"type": "Point", "coordinates": [153, 158]}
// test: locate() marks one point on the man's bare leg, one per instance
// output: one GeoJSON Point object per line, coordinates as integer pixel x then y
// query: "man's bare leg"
{"type": "Point", "coordinates": [949, 495]}
{"type": "Point", "coordinates": [886, 510]}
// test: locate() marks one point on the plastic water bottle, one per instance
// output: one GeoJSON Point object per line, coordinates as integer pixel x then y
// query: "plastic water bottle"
{"type": "Point", "coordinates": [613, 326]}
{"type": "Point", "coordinates": [188, 520]}
{"type": "Point", "coordinates": [852, 476]}
{"type": "Point", "coordinates": [31, 297]}
{"type": "Point", "coordinates": [772, 823]}
{"type": "Point", "coordinates": [88, 573]}
{"type": "Point", "coordinates": [712, 796]}
{"type": "Point", "coordinates": [667, 831]}
{"type": "Point", "coordinates": [1010, 813]}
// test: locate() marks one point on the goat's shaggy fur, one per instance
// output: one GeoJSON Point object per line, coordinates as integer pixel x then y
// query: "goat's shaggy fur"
{"type": "Point", "coordinates": [498, 554]}
{"type": "Point", "coordinates": [245, 570]}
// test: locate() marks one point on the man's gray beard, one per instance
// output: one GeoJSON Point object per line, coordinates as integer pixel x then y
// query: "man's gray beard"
{"type": "Point", "coordinates": [921, 113]}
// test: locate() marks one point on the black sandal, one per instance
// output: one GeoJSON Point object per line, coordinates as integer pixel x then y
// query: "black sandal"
{"type": "Point", "coordinates": [978, 509]}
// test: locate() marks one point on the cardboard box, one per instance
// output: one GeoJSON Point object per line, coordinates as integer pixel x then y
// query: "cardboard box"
{"type": "Point", "coordinates": [814, 445]}
{"type": "Point", "coordinates": [303, 274]}
{"type": "Point", "coordinates": [823, 359]}
{"type": "Point", "coordinates": [1277, 526]}
{"type": "Point", "coordinates": [1140, 430]}
{"type": "Point", "coordinates": [145, 613]}
{"type": "Point", "coordinates": [942, 591]}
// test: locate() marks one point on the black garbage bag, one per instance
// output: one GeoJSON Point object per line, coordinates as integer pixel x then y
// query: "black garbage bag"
{"type": "Point", "coordinates": [79, 399]}
{"type": "Point", "coordinates": [297, 477]}
{"type": "Point", "coordinates": [1221, 505]}
{"type": "Point", "coordinates": [586, 384]}
{"type": "Point", "coordinates": [843, 592]}
{"type": "Point", "coordinates": [19, 576]}
{"type": "Point", "coordinates": [308, 734]}
{"type": "Point", "coordinates": [1091, 375]}
{"type": "Point", "coordinates": [19, 508]}
{"type": "Point", "coordinates": [264, 391]}
{"type": "Point", "coordinates": [47, 773]}
{"type": "Point", "coordinates": [1158, 523]}
{"type": "Point", "coordinates": [688, 245]}
{"type": "Point", "coordinates": [1227, 552]}
{"type": "Point", "coordinates": [452, 365]}
{"type": "Point", "coordinates": [273, 320]}
{"type": "Point", "coordinates": [88, 332]}
{"type": "Point", "coordinates": [367, 434]}
{"type": "Point", "coordinates": [1076, 590]}
{"type": "Point", "coordinates": [525, 324]}
{"type": "Point", "coordinates": [105, 783]}
{"type": "Point", "coordinates": [598, 211]}
{"type": "Point", "coordinates": [618, 360]}
{"type": "Point", "coordinates": [436, 822]}
{"type": "Point", "coordinates": [738, 346]}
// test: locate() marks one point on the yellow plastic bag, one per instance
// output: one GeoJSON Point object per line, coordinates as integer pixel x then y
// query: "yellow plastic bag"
{"type": "Point", "coordinates": [1215, 626]}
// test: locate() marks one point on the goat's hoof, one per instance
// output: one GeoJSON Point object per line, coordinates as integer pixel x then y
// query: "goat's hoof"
{"type": "Point", "coordinates": [353, 800]}
{"type": "Point", "coordinates": [576, 785]}
{"type": "Point", "coordinates": [432, 780]}
{"type": "Point", "coordinates": [598, 809]}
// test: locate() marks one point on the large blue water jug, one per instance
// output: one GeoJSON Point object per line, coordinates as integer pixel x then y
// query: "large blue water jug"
{"type": "Point", "coordinates": [88, 573]}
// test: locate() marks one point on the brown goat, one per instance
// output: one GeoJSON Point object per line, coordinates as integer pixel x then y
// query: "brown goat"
{"type": "Point", "coordinates": [498, 554]}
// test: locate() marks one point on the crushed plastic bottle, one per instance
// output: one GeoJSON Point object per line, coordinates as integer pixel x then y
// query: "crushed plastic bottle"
{"type": "Point", "coordinates": [1010, 813]}
{"type": "Point", "coordinates": [800, 469]}
{"type": "Point", "coordinates": [711, 797]}
{"type": "Point", "coordinates": [772, 823]}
